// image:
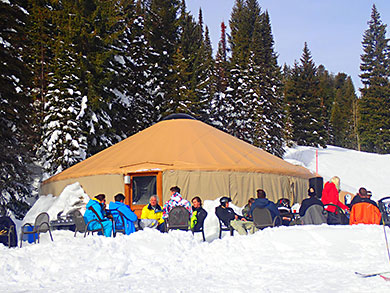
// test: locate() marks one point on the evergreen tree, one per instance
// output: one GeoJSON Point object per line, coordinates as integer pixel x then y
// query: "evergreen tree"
{"type": "Point", "coordinates": [15, 107]}
{"type": "Point", "coordinates": [304, 103]}
{"type": "Point", "coordinates": [162, 33]}
{"type": "Point", "coordinates": [374, 123]}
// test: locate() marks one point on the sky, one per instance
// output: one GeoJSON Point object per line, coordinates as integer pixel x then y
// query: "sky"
{"type": "Point", "coordinates": [333, 29]}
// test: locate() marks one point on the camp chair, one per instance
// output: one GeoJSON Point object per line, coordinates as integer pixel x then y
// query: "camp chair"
{"type": "Point", "coordinates": [315, 215]}
{"type": "Point", "coordinates": [384, 207]}
{"type": "Point", "coordinates": [338, 217]}
{"type": "Point", "coordinates": [201, 230]}
{"type": "Point", "coordinates": [119, 222]}
{"type": "Point", "coordinates": [262, 218]}
{"type": "Point", "coordinates": [41, 225]}
{"type": "Point", "coordinates": [178, 219]}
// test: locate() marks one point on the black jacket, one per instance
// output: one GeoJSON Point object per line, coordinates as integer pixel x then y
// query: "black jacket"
{"type": "Point", "coordinates": [358, 199]}
{"type": "Point", "coordinates": [307, 203]}
{"type": "Point", "coordinates": [226, 215]}
{"type": "Point", "coordinates": [201, 214]}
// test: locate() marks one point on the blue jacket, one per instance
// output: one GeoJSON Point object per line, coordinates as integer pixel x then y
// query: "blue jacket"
{"type": "Point", "coordinates": [129, 216]}
{"type": "Point", "coordinates": [265, 203]}
{"type": "Point", "coordinates": [90, 215]}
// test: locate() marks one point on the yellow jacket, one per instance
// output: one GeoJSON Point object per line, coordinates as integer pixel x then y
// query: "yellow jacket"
{"type": "Point", "coordinates": [149, 213]}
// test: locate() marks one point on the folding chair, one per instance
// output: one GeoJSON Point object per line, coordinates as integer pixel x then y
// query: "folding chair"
{"type": "Point", "coordinates": [262, 218]}
{"type": "Point", "coordinates": [178, 219]}
{"type": "Point", "coordinates": [41, 225]}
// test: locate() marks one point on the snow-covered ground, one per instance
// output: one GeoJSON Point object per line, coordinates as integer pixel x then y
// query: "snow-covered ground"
{"type": "Point", "coordinates": [290, 259]}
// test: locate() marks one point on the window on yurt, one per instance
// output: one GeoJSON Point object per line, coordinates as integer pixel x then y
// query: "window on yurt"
{"type": "Point", "coordinates": [143, 188]}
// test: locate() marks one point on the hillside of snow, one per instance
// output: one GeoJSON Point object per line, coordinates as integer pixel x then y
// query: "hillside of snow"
{"type": "Point", "coordinates": [282, 259]}
{"type": "Point", "coordinates": [355, 169]}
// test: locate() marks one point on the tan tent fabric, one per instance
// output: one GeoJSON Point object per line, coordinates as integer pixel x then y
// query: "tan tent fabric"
{"type": "Point", "coordinates": [240, 186]}
{"type": "Point", "coordinates": [201, 159]}
{"type": "Point", "coordinates": [181, 145]}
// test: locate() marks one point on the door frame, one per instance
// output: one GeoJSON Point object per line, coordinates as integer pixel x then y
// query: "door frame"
{"type": "Point", "coordinates": [129, 190]}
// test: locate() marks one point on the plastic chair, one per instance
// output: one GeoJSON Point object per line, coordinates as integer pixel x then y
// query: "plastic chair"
{"type": "Point", "coordinates": [8, 232]}
{"type": "Point", "coordinates": [224, 227]}
{"type": "Point", "coordinates": [41, 225]}
{"type": "Point", "coordinates": [262, 218]}
{"type": "Point", "coordinates": [82, 227]}
{"type": "Point", "coordinates": [178, 219]}
{"type": "Point", "coordinates": [315, 215]}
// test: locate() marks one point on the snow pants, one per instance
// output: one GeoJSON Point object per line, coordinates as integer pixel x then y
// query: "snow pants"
{"type": "Point", "coordinates": [243, 227]}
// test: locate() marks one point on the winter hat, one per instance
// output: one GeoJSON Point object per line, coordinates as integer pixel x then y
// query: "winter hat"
{"type": "Point", "coordinates": [311, 192]}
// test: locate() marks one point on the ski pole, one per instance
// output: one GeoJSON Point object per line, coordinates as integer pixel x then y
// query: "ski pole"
{"type": "Point", "coordinates": [387, 244]}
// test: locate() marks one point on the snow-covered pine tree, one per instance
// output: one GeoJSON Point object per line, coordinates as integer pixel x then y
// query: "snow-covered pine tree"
{"type": "Point", "coordinates": [161, 29]}
{"type": "Point", "coordinates": [374, 122]}
{"type": "Point", "coordinates": [132, 107]}
{"type": "Point", "coordinates": [15, 109]}
{"type": "Point", "coordinates": [304, 104]}
{"type": "Point", "coordinates": [64, 142]}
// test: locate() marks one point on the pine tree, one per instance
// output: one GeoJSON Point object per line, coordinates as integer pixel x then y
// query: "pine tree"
{"type": "Point", "coordinates": [374, 123]}
{"type": "Point", "coordinates": [304, 103]}
{"type": "Point", "coordinates": [161, 27]}
{"type": "Point", "coordinates": [15, 109]}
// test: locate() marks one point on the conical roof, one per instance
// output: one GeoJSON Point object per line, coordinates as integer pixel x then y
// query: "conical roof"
{"type": "Point", "coordinates": [181, 144]}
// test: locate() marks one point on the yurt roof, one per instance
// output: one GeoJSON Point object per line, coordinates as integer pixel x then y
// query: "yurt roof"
{"type": "Point", "coordinates": [181, 144]}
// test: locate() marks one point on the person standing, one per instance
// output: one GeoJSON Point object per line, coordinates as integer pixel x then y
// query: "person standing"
{"type": "Point", "coordinates": [330, 195]}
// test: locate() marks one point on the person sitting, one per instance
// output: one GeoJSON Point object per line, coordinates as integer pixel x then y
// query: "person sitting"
{"type": "Point", "coordinates": [285, 212]}
{"type": "Point", "coordinates": [231, 219]}
{"type": "Point", "coordinates": [330, 195]}
{"type": "Point", "coordinates": [308, 202]}
{"type": "Point", "coordinates": [151, 215]}
{"type": "Point", "coordinates": [129, 216]}
{"type": "Point", "coordinates": [263, 202]}
{"type": "Point", "coordinates": [246, 211]}
{"type": "Point", "coordinates": [364, 210]}
{"type": "Point", "coordinates": [176, 200]}
{"type": "Point", "coordinates": [363, 196]}
{"type": "Point", "coordinates": [95, 211]}
{"type": "Point", "coordinates": [199, 214]}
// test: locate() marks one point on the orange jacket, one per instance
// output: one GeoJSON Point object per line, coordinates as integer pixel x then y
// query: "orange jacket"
{"type": "Point", "coordinates": [365, 213]}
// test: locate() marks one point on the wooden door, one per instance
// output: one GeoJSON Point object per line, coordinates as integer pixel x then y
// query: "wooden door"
{"type": "Point", "coordinates": [142, 186]}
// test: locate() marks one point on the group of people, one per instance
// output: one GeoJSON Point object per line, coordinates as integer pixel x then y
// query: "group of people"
{"type": "Point", "coordinates": [362, 209]}
{"type": "Point", "coordinates": [120, 216]}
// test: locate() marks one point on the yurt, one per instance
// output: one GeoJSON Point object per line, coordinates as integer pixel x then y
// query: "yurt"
{"type": "Point", "coordinates": [200, 159]}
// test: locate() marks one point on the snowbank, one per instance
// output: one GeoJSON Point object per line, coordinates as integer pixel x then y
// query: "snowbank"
{"type": "Point", "coordinates": [284, 259]}
{"type": "Point", "coordinates": [72, 197]}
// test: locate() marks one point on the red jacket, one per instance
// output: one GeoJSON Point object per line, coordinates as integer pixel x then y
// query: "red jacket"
{"type": "Point", "coordinates": [330, 194]}
{"type": "Point", "coordinates": [365, 213]}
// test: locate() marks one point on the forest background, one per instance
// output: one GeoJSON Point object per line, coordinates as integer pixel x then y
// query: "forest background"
{"type": "Point", "coordinates": [78, 76]}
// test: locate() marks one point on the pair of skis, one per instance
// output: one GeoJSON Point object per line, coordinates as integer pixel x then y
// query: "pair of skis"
{"type": "Point", "coordinates": [374, 275]}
